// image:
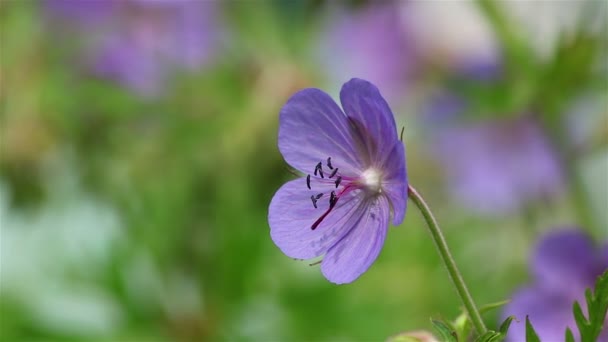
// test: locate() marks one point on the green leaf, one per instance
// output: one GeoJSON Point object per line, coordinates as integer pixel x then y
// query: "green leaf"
{"type": "Point", "coordinates": [579, 317]}
{"type": "Point", "coordinates": [590, 327]}
{"type": "Point", "coordinates": [412, 336]}
{"type": "Point", "coordinates": [488, 307]}
{"type": "Point", "coordinates": [504, 327]}
{"type": "Point", "coordinates": [569, 336]}
{"type": "Point", "coordinates": [462, 326]}
{"type": "Point", "coordinates": [445, 330]}
{"type": "Point", "coordinates": [531, 335]}
{"type": "Point", "coordinates": [490, 336]}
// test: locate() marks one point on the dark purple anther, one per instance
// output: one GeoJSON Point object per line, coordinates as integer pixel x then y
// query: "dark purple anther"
{"type": "Point", "coordinates": [329, 164]}
{"type": "Point", "coordinates": [314, 201]}
{"type": "Point", "coordinates": [333, 173]}
{"type": "Point", "coordinates": [319, 196]}
{"type": "Point", "coordinates": [308, 182]}
{"type": "Point", "coordinates": [319, 169]}
{"type": "Point", "coordinates": [338, 180]}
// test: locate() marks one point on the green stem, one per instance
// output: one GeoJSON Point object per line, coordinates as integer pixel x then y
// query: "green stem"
{"type": "Point", "coordinates": [448, 260]}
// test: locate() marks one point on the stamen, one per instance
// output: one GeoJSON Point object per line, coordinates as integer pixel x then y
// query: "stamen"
{"type": "Point", "coordinates": [308, 182]}
{"type": "Point", "coordinates": [314, 201]}
{"type": "Point", "coordinates": [319, 168]}
{"type": "Point", "coordinates": [401, 135]}
{"type": "Point", "coordinates": [319, 196]}
{"type": "Point", "coordinates": [329, 164]}
{"type": "Point", "coordinates": [333, 199]}
{"type": "Point", "coordinates": [338, 180]}
{"type": "Point", "coordinates": [333, 173]}
{"type": "Point", "coordinates": [316, 262]}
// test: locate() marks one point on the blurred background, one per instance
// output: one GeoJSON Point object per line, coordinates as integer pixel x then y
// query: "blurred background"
{"type": "Point", "coordinates": [139, 156]}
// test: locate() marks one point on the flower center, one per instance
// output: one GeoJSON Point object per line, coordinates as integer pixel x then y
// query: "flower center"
{"type": "Point", "coordinates": [342, 184]}
{"type": "Point", "coordinates": [371, 181]}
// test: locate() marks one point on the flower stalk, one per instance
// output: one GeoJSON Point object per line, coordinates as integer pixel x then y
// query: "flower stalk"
{"type": "Point", "coordinates": [448, 260]}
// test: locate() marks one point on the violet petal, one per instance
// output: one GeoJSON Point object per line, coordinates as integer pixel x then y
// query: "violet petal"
{"type": "Point", "coordinates": [364, 105]}
{"type": "Point", "coordinates": [312, 128]}
{"type": "Point", "coordinates": [291, 215]}
{"type": "Point", "coordinates": [355, 252]}
{"type": "Point", "coordinates": [567, 255]}
{"type": "Point", "coordinates": [395, 184]}
{"type": "Point", "coordinates": [549, 313]}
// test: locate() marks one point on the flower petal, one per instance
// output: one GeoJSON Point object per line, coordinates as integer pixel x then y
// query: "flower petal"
{"type": "Point", "coordinates": [358, 249]}
{"type": "Point", "coordinates": [496, 167]}
{"type": "Point", "coordinates": [312, 128]}
{"type": "Point", "coordinates": [291, 215]}
{"type": "Point", "coordinates": [395, 183]}
{"type": "Point", "coordinates": [549, 313]}
{"type": "Point", "coordinates": [565, 256]}
{"type": "Point", "coordinates": [364, 105]}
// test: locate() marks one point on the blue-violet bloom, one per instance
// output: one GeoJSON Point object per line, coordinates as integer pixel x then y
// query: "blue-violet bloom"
{"type": "Point", "coordinates": [355, 183]}
{"type": "Point", "coordinates": [563, 265]}
{"type": "Point", "coordinates": [493, 166]}
{"type": "Point", "coordinates": [141, 43]}
{"type": "Point", "coordinates": [350, 44]}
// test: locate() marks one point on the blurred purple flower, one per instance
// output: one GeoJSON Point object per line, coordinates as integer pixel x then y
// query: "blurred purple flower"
{"type": "Point", "coordinates": [563, 265]}
{"type": "Point", "coordinates": [372, 44]}
{"type": "Point", "coordinates": [138, 42]}
{"type": "Point", "coordinates": [492, 166]}
{"type": "Point", "coordinates": [358, 181]}
{"type": "Point", "coordinates": [496, 167]}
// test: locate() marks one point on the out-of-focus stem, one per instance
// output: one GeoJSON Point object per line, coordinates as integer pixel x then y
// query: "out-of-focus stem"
{"type": "Point", "coordinates": [448, 260]}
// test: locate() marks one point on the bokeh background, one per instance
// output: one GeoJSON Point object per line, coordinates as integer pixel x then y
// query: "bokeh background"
{"type": "Point", "coordinates": [139, 156]}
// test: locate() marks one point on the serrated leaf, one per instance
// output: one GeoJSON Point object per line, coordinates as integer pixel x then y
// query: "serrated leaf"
{"type": "Point", "coordinates": [446, 332]}
{"type": "Point", "coordinates": [490, 336]}
{"type": "Point", "coordinates": [504, 327]}
{"type": "Point", "coordinates": [569, 336]}
{"type": "Point", "coordinates": [531, 335]}
{"type": "Point", "coordinates": [579, 317]}
{"type": "Point", "coordinates": [591, 326]}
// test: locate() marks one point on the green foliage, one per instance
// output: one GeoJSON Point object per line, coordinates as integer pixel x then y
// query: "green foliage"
{"type": "Point", "coordinates": [591, 326]}
{"type": "Point", "coordinates": [504, 327]}
{"type": "Point", "coordinates": [490, 336]}
{"type": "Point", "coordinates": [569, 335]}
{"type": "Point", "coordinates": [501, 334]}
{"type": "Point", "coordinates": [492, 306]}
{"type": "Point", "coordinates": [462, 326]}
{"type": "Point", "coordinates": [531, 335]}
{"type": "Point", "coordinates": [446, 331]}
{"type": "Point", "coordinates": [414, 336]}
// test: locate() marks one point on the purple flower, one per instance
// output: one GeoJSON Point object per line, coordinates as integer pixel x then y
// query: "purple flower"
{"type": "Point", "coordinates": [497, 166]}
{"type": "Point", "coordinates": [563, 265]}
{"type": "Point", "coordinates": [138, 42]}
{"type": "Point", "coordinates": [492, 166]}
{"type": "Point", "coordinates": [88, 12]}
{"type": "Point", "coordinates": [356, 179]}
{"type": "Point", "coordinates": [372, 43]}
